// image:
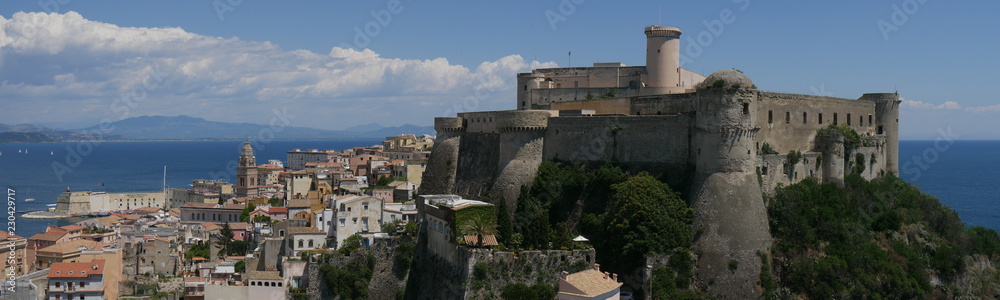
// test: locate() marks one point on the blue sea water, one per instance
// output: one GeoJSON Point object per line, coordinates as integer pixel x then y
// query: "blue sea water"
{"type": "Point", "coordinates": [45, 170]}
{"type": "Point", "coordinates": [965, 175]}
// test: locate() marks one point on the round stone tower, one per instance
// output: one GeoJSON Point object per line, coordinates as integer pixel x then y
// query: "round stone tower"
{"type": "Point", "coordinates": [728, 207]}
{"type": "Point", "coordinates": [887, 123]}
{"type": "Point", "coordinates": [439, 177]}
{"type": "Point", "coordinates": [522, 139]}
{"type": "Point", "coordinates": [663, 55]}
{"type": "Point", "coordinates": [725, 123]}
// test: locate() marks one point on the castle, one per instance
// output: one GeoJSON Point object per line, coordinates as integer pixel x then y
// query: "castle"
{"type": "Point", "coordinates": [733, 141]}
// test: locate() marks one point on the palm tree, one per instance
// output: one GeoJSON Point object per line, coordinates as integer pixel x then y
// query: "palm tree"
{"type": "Point", "coordinates": [480, 225]}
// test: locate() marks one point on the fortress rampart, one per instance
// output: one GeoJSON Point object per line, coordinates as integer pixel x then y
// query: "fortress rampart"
{"type": "Point", "coordinates": [721, 135]}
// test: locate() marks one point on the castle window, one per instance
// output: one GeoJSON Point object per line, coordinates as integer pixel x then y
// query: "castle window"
{"type": "Point", "coordinates": [834, 118]}
{"type": "Point", "coordinates": [870, 120]}
{"type": "Point", "coordinates": [804, 118]}
{"type": "Point", "coordinates": [746, 108]}
{"type": "Point", "coordinates": [880, 129]}
{"type": "Point", "coordinates": [525, 87]}
{"type": "Point", "coordinates": [821, 118]}
{"type": "Point", "coordinates": [861, 121]}
{"type": "Point", "coordinates": [788, 117]}
{"type": "Point", "coordinates": [576, 84]}
{"type": "Point", "coordinates": [770, 116]}
{"type": "Point", "coordinates": [848, 119]}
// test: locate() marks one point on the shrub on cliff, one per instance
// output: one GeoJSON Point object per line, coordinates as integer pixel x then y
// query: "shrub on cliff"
{"type": "Point", "coordinates": [869, 239]}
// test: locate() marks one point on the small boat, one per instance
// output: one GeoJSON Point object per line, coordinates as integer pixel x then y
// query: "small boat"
{"type": "Point", "coordinates": [19, 151]}
{"type": "Point", "coordinates": [52, 153]}
{"type": "Point", "coordinates": [29, 198]}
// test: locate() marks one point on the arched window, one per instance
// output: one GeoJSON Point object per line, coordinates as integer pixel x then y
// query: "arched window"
{"type": "Point", "coordinates": [310, 243]}
{"type": "Point", "coordinates": [300, 244]}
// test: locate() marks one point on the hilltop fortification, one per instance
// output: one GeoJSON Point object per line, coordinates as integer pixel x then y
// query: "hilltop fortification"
{"type": "Point", "coordinates": [732, 141]}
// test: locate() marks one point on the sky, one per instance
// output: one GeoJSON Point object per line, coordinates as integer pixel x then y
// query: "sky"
{"type": "Point", "coordinates": [336, 64]}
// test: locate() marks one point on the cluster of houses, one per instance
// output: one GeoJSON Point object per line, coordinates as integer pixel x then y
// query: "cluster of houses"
{"type": "Point", "coordinates": [311, 206]}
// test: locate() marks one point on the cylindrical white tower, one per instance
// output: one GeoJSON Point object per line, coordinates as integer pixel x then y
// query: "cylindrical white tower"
{"type": "Point", "coordinates": [663, 56]}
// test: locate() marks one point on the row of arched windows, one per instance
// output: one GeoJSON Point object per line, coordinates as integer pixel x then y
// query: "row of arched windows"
{"type": "Point", "coordinates": [265, 283]}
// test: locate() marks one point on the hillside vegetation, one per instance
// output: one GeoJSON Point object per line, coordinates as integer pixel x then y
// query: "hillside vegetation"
{"type": "Point", "coordinates": [875, 239]}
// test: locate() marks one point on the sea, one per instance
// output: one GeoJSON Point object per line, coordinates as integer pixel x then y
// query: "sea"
{"type": "Point", "coordinates": [964, 175]}
{"type": "Point", "coordinates": [45, 170]}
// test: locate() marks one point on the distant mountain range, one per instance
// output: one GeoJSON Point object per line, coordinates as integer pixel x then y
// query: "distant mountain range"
{"type": "Point", "coordinates": [191, 128]}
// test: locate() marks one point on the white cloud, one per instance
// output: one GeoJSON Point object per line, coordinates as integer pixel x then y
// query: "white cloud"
{"type": "Point", "coordinates": [924, 105]}
{"type": "Point", "coordinates": [63, 67]}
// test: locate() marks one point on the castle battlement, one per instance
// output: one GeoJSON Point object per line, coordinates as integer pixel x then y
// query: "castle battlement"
{"type": "Point", "coordinates": [719, 137]}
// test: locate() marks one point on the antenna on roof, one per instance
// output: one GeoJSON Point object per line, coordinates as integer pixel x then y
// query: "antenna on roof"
{"type": "Point", "coordinates": [570, 63]}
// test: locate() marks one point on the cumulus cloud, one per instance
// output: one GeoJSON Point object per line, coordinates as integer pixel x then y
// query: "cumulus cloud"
{"type": "Point", "coordinates": [63, 66]}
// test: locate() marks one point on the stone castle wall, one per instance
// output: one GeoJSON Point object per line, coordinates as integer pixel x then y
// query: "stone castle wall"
{"type": "Point", "coordinates": [789, 122]}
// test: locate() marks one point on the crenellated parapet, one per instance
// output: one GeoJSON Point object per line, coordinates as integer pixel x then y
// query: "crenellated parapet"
{"type": "Point", "coordinates": [523, 120]}
{"type": "Point", "coordinates": [448, 124]}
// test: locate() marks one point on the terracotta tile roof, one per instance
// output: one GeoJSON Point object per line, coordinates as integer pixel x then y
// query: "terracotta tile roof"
{"type": "Point", "coordinates": [304, 230]}
{"type": "Point", "coordinates": [71, 246]}
{"type": "Point", "coordinates": [211, 226]}
{"type": "Point", "coordinates": [148, 209]}
{"type": "Point", "coordinates": [488, 240]}
{"type": "Point", "coordinates": [298, 203]}
{"type": "Point", "coordinates": [278, 210]}
{"type": "Point", "coordinates": [198, 205]}
{"type": "Point", "coordinates": [264, 275]}
{"type": "Point", "coordinates": [5, 235]}
{"type": "Point", "coordinates": [76, 269]}
{"type": "Point", "coordinates": [590, 283]}
{"type": "Point", "coordinates": [239, 226]}
{"type": "Point", "coordinates": [108, 221]}
{"type": "Point", "coordinates": [73, 227]}
{"type": "Point", "coordinates": [127, 216]}
{"type": "Point", "coordinates": [48, 236]}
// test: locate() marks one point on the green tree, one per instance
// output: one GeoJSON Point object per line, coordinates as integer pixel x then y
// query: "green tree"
{"type": "Point", "coordinates": [505, 228]}
{"type": "Point", "coordinates": [351, 243]}
{"type": "Point", "coordinates": [245, 214]}
{"type": "Point", "coordinates": [241, 266]}
{"type": "Point", "coordinates": [225, 239]}
{"type": "Point", "coordinates": [479, 225]}
{"type": "Point", "coordinates": [645, 216]}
